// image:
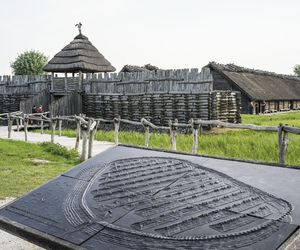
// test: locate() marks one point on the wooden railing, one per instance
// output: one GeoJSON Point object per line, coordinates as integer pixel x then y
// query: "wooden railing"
{"type": "Point", "coordinates": [87, 127]}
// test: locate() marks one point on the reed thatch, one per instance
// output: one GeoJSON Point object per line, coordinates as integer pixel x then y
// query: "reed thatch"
{"type": "Point", "coordinates": [79, 55]}
{"type": "Point", "coordinates": [134, 68]}
{"type": "Point", "coordinates": [259, 84]}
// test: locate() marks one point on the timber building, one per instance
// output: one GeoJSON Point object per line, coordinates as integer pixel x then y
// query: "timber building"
{"type": "Point", "coordinates": [261, 91]}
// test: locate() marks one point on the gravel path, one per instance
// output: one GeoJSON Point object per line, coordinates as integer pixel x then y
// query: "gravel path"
{"type": "Point", "coordinates": [11, 242]}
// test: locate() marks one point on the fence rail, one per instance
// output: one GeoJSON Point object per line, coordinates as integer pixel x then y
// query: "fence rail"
{"type": "Point", "coordinates": [87, 128]}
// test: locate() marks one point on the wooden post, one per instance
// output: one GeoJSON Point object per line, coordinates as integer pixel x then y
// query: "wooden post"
{"type": "Point", "coordinates": [18, 124]}
{"type": "Point", "coordinates": [66, 81]}
{"type": "Point", "coordinates": [93, 130]}
{"type": "Point", "coordinates": [195, 129]}
{"type": "Point", "coordinates": [42, 126]}
{"type": "Point", "coordinates": [147, 136]}
{"type": "Point", "coordinates": [78, 132]}
{"type": "Point", "coordinates": [26, 121]}
{"type": "Point", "coordinates": [84, 141]}
{"type": "Point", "coordinates": [117, 126]}
{"type": "Point", "coordinates": [282, 143]}
{"type": "Point", "coordinates": [59, 127]}
{"type": "Point", "coordinates": [52, 81]}
{"type": "Point", "coordinates": [53, 125]}
{"type": "Point", "coordinates": [79, 90]}
{"type": "Point", "coordinates": [9, 125]}
{"type": "Point", "coordinates": [173, 133]}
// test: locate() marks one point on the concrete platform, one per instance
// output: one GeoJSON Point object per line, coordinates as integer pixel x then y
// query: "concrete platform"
{"type": "Point", "coordinates": [133, 198]}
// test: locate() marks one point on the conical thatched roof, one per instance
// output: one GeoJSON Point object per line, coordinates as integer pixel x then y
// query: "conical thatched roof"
{"type": "Point", "coordinates": [79, 55]}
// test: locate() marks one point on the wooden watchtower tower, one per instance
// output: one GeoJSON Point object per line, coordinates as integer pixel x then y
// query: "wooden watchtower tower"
{"type": "Point", "coordinates": [80, 56]}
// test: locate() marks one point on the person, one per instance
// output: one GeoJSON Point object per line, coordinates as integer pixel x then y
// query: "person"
{"type": "Point", "coordinates": [40, 109]}
{"type": "Point", "coordinates": [33, 110]}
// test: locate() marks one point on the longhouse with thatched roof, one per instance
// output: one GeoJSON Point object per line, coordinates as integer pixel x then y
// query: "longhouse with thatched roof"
{"type": "Point", "coordinates": [261, 91]}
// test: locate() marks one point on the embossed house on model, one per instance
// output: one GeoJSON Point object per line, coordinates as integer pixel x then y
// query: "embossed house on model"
{"type": "Point", "coordinates": [261, 91]}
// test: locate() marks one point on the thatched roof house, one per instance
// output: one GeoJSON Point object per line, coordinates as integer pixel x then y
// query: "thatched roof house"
{"type": "Point", "coordinates": [262, 91]}
{"type": "Point", "coordinates": [79, 56]}
{"type": "Point", "coordinates": [134, 68]}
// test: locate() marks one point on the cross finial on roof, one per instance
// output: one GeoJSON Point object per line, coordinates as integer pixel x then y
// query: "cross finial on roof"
{"type": "Point", "coordinates": [78, 25]}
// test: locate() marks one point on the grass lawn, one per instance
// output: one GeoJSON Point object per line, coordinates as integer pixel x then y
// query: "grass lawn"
{"type": "Point", "coordinates": [240, 144]}
{"type": "Point", "coordinates": [24, 166]}
{"type": "Point", "coordinates": [290, 118]}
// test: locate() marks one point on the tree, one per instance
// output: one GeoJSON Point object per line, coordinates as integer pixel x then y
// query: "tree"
{"type": "Point", "coordinates": [297, 69]}
{"type": "Point", "coordinates": [29, 63]}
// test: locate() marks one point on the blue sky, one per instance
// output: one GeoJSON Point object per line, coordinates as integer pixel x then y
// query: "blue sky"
{"type": "Point", "coordinates": [263, 34]}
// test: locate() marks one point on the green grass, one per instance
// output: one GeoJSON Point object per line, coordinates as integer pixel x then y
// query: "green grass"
{"type": "Point", "coordinates": [24, 166]}
{"type": "Point", "coordinates": [239, 144]}
{"type": "Point", "coordinates": [290, 118]}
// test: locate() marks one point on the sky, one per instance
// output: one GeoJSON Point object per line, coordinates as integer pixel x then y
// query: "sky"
{"type": "Point", "coordinates": [260, 34]}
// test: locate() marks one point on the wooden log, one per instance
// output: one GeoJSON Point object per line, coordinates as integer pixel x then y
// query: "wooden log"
{"type": "Point", "coordinates": [173, 133]}
{"type": "Point", "coordinates": [42, 126]}
{"type": "Point", "coordinates": [117, 126]}
{"type": "Point", "coordinates": [26, 121]}
{"type": "Point", "coordinates": [59, 127]}
{"type": "Point", "coordinates": [195, 128]}
{"type": "Point", "coordinates": [84, 133]}
{"type": "Point", "coordinates": [280, 129]}
{"type": "Point", "coordinates": [52, 81]}
{"type": "Point", "coordinates": [66, 81]}
{"type": "Point", "coordinates": [292, 130]}
{"type": "Point", "coordinates": [52, 127]}
{"type": "Point", "coordinates": [282, 143]}
{"type": "Point", "coordinates": [9, 127]}
{"type": "Point", "coordinates": [147, 136]}
{"type": "Point", "coordinates": [93, 130]}
{"type": "Point", "coordinates": [240, 126]}
{"type": "Point", "coordinates": [145, 122]}
{"type": "Point", "coordinates": [18, 124]}
{"type": "Point", "coordinates": [285, 141]}
{"type": "Point", "coordinates": [130, 122]}
{"type": "Point", "coordinates": [78, 133]}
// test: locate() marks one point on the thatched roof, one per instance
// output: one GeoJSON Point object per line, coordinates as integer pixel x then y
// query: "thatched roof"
{"type": "Point", "coordinates": [259, 84]}
{"type": "Point", "coordinates": [79, 55]}
{"type": "Point", "coordinates": [134, 68]}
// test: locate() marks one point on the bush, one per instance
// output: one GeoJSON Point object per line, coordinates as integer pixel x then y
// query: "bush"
{"type": "Point", "coordinates": [29, 63]}
{"type": "Point", "coordinates": [297, 69]}
{"type": "Point", "coordinates": [59, 150]}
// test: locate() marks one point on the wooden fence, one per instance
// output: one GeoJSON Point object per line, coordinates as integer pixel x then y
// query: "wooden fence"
{"type": "Point", "coordinates": [167, 81]}
{"type": "Point", "coordinates": [17, 89]}
{"type": "Point", "coordinates": [87, 127]}
{"type": "Point", "coordinates": [42, 98]}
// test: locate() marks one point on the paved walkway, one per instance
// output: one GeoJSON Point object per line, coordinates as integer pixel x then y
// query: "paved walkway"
{"type": "Point", "coordinates": [8, 241]}
{"type": "Point", "coordinates": [98, 147]}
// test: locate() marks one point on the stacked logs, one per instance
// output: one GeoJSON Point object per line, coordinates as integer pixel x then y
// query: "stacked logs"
{"type": "Point", "coordinates": [159, 108]}
{"type": "Point", "coordinates": [11, 103]}
{"type": "Point", "coordinates": [225, 106]}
